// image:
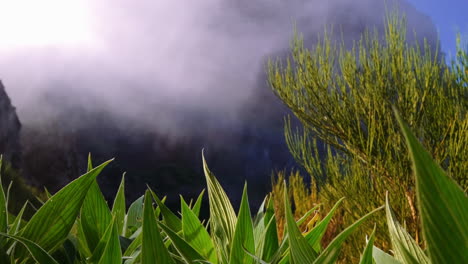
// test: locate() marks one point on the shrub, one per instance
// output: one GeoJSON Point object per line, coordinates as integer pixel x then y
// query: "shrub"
{"type": "Point", "coordinates": [343, 98]}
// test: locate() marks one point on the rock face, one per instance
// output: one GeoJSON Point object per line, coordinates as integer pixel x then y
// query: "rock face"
{"type": "Point", "coordinates": [10, 127]}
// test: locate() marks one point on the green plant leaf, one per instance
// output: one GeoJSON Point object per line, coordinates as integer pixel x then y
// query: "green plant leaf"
{"type": "Point", "coordinates": [100, 247]}
{"type": "Point", "coordinates": [442, 204]}
{"type": "Point", "coordinates": [134, 218]}
{"type": "Point", "coordinates": [169, 218]}
{"type": "Point", "coordinates": [315, 235]}
{"type": "Point", "coordinates": [136, 243]}
{"type": "Point", "coordinates": [95, 216]}
{"type": "Point", "coordinates": [37, 253]}
{"type": "Point", "coordinates": [331, 252]}
{"type": "Point", "coordinates": [90, 163]}
{"type": "Point", "coordinates": [366, 257]}
{"type": "Point", "coordinates": [270, 239]}
{"type": "Point", "coordinates": [299, 249]}
{"type": "Point", "coordinates": [187, 252]}
{"type": "Point", "coordinates": [118, 208]}
{"type": "Point", "coordinates": [153, 249]}
{"type": "Point", "coordinates": [196, 207]}
{"type": "Point", "coordinates": [381, 257]}
{"type": "Point", "coordinates": [4, 256]}
{"type": "Point", "coordinates": [243, 235]}
{"type": "Point", "coordinates": [81, 243]}
{"type": "Point", "coordinates": [222, 216]}
{"type": "Point", "coordinates": [112, 252]}
{"type": "Point", "coordinates": [16, 225]}
{"type": "Point", "coordinates": [196, 235]}
{"type": "Point", "coordinates": [405, 248]}
{"type": "Point", "coordinates": [50, 225]}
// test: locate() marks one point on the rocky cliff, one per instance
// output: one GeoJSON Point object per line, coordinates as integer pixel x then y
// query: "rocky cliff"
{"type": "Point", "coordinates": [10, 127]}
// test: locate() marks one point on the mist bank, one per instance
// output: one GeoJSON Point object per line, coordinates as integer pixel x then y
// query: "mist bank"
{"type": "Point", "coordinates": [155, 82]}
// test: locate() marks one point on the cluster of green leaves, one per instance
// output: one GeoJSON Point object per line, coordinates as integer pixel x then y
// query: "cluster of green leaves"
{"type": "Point", "coordinates": [77, 226]}
{"type": "Point", "coordinates": [343, 97]}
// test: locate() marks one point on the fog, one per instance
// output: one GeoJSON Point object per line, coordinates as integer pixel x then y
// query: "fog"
{"type": "Point", "coordinates": [154, 62]}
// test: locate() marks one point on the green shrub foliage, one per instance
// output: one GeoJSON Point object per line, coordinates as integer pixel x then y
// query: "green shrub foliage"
{"type": "Point", "coordinates": [344, 97]}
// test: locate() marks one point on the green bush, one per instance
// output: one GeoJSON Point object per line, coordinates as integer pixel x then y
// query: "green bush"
{"type": "Point", "coordinates": [343, 98]}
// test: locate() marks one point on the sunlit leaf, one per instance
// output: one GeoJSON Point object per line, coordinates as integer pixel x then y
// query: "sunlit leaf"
{"type": "Point", "coordinates": [112, 252]}
{"type": "Point", "coordinates": [51, 224]}
{"type": "Point", "coordinates": [442, 204]}
{"type": "Point", "coordinates": [153, 249]}
{"type": "Point", "coordinates": [299, 248]}
{"type": "Point", "coordinates": [196, 235]}
{"type": "Point", "coordinates": [331, 252]}
{"type": "Point", "coordinates": [366, 257]}
{"type": "Point", "coordinates": [243, 235]}
{"type": "Point", "coordinates": [118, 208]}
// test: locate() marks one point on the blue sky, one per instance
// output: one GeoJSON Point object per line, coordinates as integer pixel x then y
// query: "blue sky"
{"type": "Point", "coordinates": [449, 16]}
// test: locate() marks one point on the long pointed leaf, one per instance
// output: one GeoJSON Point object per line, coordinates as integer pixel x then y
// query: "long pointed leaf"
{"type": "Point", "coordinates": [299, 248]}
{"type": "Point", "coordinates": [222, 216]}
{"type": "Point", "coordinates": [315, 235]}
{"type": "Point", "coordinates": [243, 234]}
{"type": "Point", "coordinates": [405, 248]}
{"type": "Point", "coordinates": [37, 253]}
{"type": "Point", "coordinates": [188, 253]}
{"type": "Point", "coordinates": [442, 204]}
{"type": "Point", "coordinates": [366, 257]}
{"type": "Point", "coordinates": [196, 235]}
{"type": "Point", "coordinates": [95, 216]}
{"type": "Point", "coordinates": [153, 249]}
{"type": "Point", "coordinates": [118, 208]}
{"type": "Point", "coordinates": [112, 252]}
{"type": "Point", "coordinates": [169, 218]}
{"type": "Point", "coordinates": [100, 247]}
{"type": "Point", "coordinates": [51, 224]}
{"type": "Point", "coordinates": [330, 254]}
{"type": "Point", "coordinates": [270, 244]}
{"type": "Point", "coordinates": [196, 207]}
